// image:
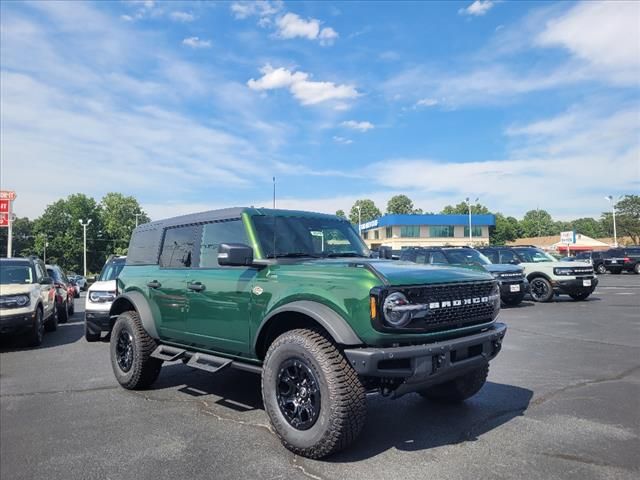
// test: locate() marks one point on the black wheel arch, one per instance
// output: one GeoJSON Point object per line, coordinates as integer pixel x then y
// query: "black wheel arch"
{"type": "Point", "coordinates": [303, 314]}
{"type": "Point", "coordinates": [533, 275]}
{"type": "Point", "coordinates": [134, 301]}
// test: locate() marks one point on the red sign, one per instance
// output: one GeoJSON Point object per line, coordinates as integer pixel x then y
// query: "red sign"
{"type": "Point", "coordinates": [4, 206]}
{"type": "Point", "coordinates": [4, 219]}
{"type": "Point", "coordinates": [7, 195]}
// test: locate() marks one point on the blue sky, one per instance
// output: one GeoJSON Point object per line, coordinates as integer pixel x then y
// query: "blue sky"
{"type": "Point", "coordinates": [192, 106]}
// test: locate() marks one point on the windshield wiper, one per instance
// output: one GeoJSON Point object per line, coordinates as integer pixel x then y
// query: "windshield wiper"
{"type": "Point", "coordinates": [343, 254]}
{"type": "Point", "coordinates": [293, 255]}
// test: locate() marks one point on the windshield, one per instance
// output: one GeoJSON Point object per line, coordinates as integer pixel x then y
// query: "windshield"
{"type": "Point", "coordinates": [534, 255]}
{"type": "Point", "coordinates": [14, 272]}
{"type": "Point", "coordinates": [466, 256]}
{"type": "Point", "coordinates": [112, 269]}
{"type": "Point", "coordinates": [308, 237]}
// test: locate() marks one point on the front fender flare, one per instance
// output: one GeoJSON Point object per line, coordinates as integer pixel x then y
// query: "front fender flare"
{"type": "Point", "coordinates": [329, 319]}
{"type": "Point", "coordinates": [142, 308]}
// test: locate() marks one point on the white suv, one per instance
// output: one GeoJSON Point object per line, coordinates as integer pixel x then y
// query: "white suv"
{"type": "Point", "coordinates": [27, 299]}
{"type": "Point", "coordinates": [99, 299]}
{"type": "Point", "coordinates": [547, 276]}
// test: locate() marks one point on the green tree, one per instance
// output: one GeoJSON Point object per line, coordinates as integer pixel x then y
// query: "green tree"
{"type": "Point", "coordinates": [60, 227]}
{"type": "Point", "coordinates": [22, 238]}
{"type": "Point", "coordinates": [462, 207]}
{"type": "Point", "coordinates": [368, 211]}
{"type": "Point", "coordinates": [118, 216]}
{"type": "Point", "coordinates": [538, 223]}
{"type": "Point", "coordinates": [587, 226]}
{"type": "Point", "coordinates": [628, 218]}
{"type": "Point", "coordinates": [341, 214]}
{"type": "Point", "coordinates": [400, 204]}
{"type": "Point", "coordinates": [506, 230]}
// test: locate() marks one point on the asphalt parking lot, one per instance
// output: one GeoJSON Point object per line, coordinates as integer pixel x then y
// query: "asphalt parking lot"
{"type": "Point", "coordinates": [562, 401]}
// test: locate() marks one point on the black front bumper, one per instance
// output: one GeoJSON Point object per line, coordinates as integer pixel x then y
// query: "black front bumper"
{"type": "Point", "coordinates": [422, 366]}
{"type": "Point", "coordinates": [507, 293]}
{"type": "Point", "coordinates": [575, 286]}
{"type": "Point", "coordinates": [97, 322]}
{"type": "Point", "coordinates": [16, 323]}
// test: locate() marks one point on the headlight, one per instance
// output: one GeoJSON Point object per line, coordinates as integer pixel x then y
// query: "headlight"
{"type": "Point", "coordinates": [397, 310]}
{"type": "Point", "coordinates": [22, 300]}
{"type": "Point", "coordinates": [563, 271]}
{"type": "Point", "coordinates": [102, 297]}
{"type": "Point", "coordinates": [15, 301]}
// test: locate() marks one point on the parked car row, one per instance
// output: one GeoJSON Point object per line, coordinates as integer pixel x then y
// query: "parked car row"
{"type": "Point", "coordinates": [614, 260]}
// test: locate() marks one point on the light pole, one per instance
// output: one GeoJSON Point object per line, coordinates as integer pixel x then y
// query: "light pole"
{"type": "Point", "coordinates": [470, 228]}
{"type": "Point", "coordinates": [44, 253]}
{"type": "Point", "coordinates": [137, 215]}
{"type": "Point", "coordinates": [84, 227]}
{"type": "Point", "coordinates": [359, 222]}
{"type": "Point", "coordinates": [613, 210]}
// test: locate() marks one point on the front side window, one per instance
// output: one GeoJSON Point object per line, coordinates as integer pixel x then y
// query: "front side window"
{"type": "Point", "coordinates": [534, 255]}
{"type": "Point", "coordinates": [438, 258]}
{"type": "Point", "coordinates": [177, 248]}
{"type": "Point", "coordinates": [284, 236]}
{"type": "Point", "coordinates": [441, 231]}
{"type": "Point", "coordinates": [15, 272]}
{"type": "Point", "coordinates": [213, 234]}
{"type": "Point", "coordinates": [508, 256]}
{"type": "Point", "coordinates": [410, 231]}
{"type": "Point", "coordinates": [40, 274]}
{"type": "Point", "coordinates": [492, 255]}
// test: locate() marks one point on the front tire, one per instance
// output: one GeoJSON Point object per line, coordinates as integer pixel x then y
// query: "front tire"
{"type": "Point", "coordinates": [131, 348]}
{"type": "Point", "coordinates": [63, 313]}
{"type": "Point", "coordinates": [314, 398]}
{"type": "Point", "coordinates": [51, 325]}
{"type": "Point", "coordinates": [72, 308]}
{"type": "Point", "coordinates": [541, 289]}
{"type": "Point", "coordinates": [35, 336]}
{"type": "Point", "coordinates": [601, 269]}
{"type": "Point", "coordinates": [458, 389]}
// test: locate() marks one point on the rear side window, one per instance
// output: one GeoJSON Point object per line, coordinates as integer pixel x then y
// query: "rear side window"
{"type": "Point", "coordinates": [178, 247]}
{"type": "Point", "coordinates": [213, 234]}
{"type": "Point", "coordinates": [143, 247]}
{"type": "Point", "coordinates": [507, 256]}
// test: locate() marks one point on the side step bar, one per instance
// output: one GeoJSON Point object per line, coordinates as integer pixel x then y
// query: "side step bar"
{"type": "Point", "coordinates": [202, 361]}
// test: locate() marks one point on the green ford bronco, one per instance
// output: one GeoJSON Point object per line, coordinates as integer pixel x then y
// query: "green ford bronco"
{"type": "Point", "coordinates": [296, 297]}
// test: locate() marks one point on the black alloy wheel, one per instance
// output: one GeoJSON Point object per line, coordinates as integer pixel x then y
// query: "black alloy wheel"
{"type": "Point", "coordinates": [601, 269]}
{"type": "Point", "coordinates": [298, 394]}
{"type": "Point", "coordinates": [124, 350]}
{"type": "Point", "coordinates": [541, 290]}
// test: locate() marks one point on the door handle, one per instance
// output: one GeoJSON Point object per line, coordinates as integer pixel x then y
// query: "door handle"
{"type": "Point", "coordinates": [154, 284]}
{"type": "Point", "coordinates": [196, 286]}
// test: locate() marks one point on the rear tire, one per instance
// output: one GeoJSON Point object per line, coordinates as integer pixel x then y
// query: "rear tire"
{"type": "Point", "coordinates": [35, 336]}
{"type": "Point", "coordinates": [541, 289]}
{"type": "Point", "coordinates": [131, 348]}
{"type": "Point", "coordinates": [314, 398]}
{"type": "Point", "coordinates": [580, 296]}
{"type": "Point", "coordinates": [601, 269]}
{"type": "Point", "coordinates": [51, 325]}
{"type": "Point", "coordinates": [458, 389]}
{"type": "Point", "coordinates": [63, 313]}
{"type": "Point", "coordinates": [72, 308]}
{"type": "Point", "coordinates": [91, 336]}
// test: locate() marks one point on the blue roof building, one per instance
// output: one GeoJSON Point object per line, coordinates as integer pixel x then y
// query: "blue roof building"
{"type": "Point", "coordinates": [398, 231]}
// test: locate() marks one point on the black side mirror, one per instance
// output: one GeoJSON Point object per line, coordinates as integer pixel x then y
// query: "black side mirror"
{"type": "Point", "coordinates": [46, 281]}
{"type": "Point", "coordinates": [235, 255]}
{"type": "Point", "coordinates": [385, 252]}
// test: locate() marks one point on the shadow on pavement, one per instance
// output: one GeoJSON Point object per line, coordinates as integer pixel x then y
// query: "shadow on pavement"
{"type": "Point", "coordinates": [66, 333]}
{"type": "Point", "coordinates": [410, 423]}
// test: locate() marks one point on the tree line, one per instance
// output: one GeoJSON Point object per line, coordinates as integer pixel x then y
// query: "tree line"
{"type": "Point", "coordinates": [57, 233]}
{"type": "Point", "coordinates": [535, 223]}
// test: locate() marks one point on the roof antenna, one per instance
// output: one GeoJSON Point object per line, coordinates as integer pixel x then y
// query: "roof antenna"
{"type": "Point", "coordinates": [274, 218]}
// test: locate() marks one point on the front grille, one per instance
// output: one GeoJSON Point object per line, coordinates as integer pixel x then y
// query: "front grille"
{"type": "Point", "coordinates": [583, 271]}
{"type": "Point", "coordinates": [452, 305]}
{"type": "Point", "coordinates": [511, 276]}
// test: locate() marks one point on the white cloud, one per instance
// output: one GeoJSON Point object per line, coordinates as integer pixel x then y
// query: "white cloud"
{"type": "Point", "coordinates": [260, 8]}
{"type": "Point", "coordinates": [477, 8]}
{"type": "Point", "coordinates": [196, 42]}
{"type": "Point", "coordinates": [182, 16]}
{"type": "Point", "coordinates": [605, 35]}
{"type": "Point", "coordinates": [327, 36]}
{"type": "Point", "coordinates": [426, 102]}
{"type": "Point", "coordinates": [291, 25]}
{"type": "Point", "coordinates": [342, 140]}
{"type": "Point", "coordinates": [307, 92]}
{"type": "Point", "coordinates": [360, 126]}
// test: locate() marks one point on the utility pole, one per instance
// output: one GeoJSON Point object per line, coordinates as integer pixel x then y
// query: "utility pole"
{"type": "Point", "coordinates": [274, 193]}
{"type": "Point", "coordinates": [613, 211]}
{"type": "Point", "coordinates": [137, 215]}
{"type": "Point", "coordinates": [470, 227]}
{"type": "Point", "coordinates": [84, 227]}
{"type": "Point", "coordinates": [359, 221]}
{"type": "Point", "coordinates": [44, 254]}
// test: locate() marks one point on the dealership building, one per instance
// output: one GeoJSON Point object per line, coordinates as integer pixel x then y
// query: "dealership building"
{"type": "Point", "coordinates": [401, 231]}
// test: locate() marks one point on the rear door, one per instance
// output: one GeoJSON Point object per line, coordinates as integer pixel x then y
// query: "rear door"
{"type": "Point", "coordinates": [47, 294]}
{"type": "Point", "coordinates": [219, 297]}
{"type": "Point", "coordinates": [167, 286]}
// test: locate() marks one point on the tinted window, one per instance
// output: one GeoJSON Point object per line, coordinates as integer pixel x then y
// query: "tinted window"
{"type": "Point", "coordinates": [437, 258]}
{"type": "Point", "coordinates": [507, 256]}
{"type": "Point", "coordinates": [441, 231]}
{"type": "Point", "coordinates": [213, 234]}
{"type": "Point", "coordinates": [112, 269]}
{"type": "Point", "coordinates": [178, 245]}
{"type": "Point", "coordinates": [410, 231]}
{"type": "Point", "coordinates": [633, 251]}
{"type": "Point", "coordinates": [40, 273]}
{"type": "Point", "coordinates": [12, 272]}
{"type": "Point", "coordinates": [143, 247]}
{"type": "Point", "coordinates": [55, 274]}
{"type": "Point", "coordinates": [492, 255]}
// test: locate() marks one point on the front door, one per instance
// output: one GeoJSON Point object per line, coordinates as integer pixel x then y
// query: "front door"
{"type": "Point", "coordinates": [219, 297]}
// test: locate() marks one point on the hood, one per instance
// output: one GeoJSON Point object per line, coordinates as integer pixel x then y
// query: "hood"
{"type": "Point", "coordinates": [16, 288]}
{"type": "Point", "coordinates": [395, 272]}
{"type": "Point", "coordinates": [104, 286]}
{"type": "Point", "coordinates": [503, 268]}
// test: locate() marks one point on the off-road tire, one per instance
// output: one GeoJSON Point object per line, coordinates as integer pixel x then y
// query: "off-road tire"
{"type": "Point", "coordinates": [458, 389]}
{"type": "Point", "coordinates": [51, 325]}
{"type": "Point", "coordinates": [547, 296]}
{"type": "Point", "coordinates": [601, 269]}
{"type": "Point", "coordinates": [580, 296]}
{"type": "Point", "coordinates": [343, 405]}
{"type": "Point", "coordinates": [63, 313]}
{"type": "Point", "coordinates": [144, 369]}
{"type": "Point", "coordinates": [35, 336]}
